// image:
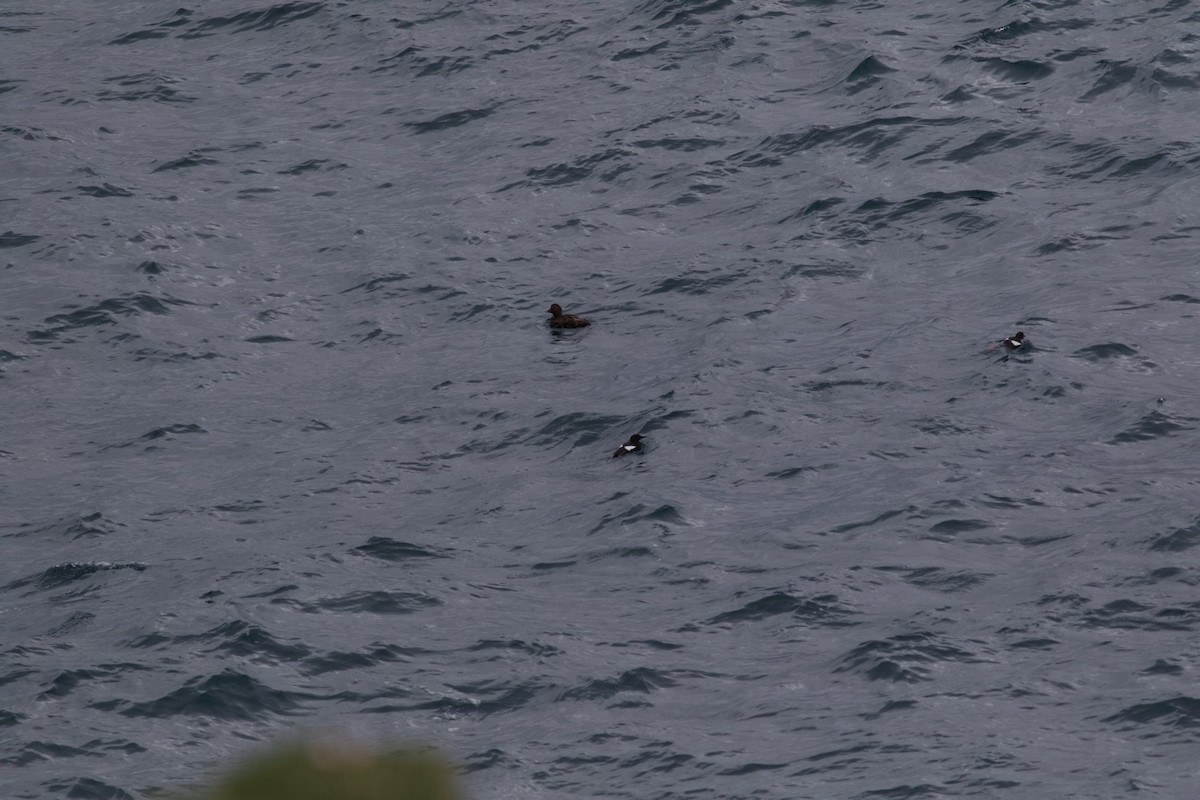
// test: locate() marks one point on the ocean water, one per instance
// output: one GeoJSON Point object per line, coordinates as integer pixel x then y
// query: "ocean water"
{"type": "Point", "coordinates": [288, 446]}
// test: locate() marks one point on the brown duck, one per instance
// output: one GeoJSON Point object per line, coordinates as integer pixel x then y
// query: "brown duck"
{"type": "Point", "coordinates": [560, 320]}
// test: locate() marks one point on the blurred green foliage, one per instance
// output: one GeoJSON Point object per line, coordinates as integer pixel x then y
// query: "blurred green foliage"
{"type": "Point", "coordinates": [333, 771]}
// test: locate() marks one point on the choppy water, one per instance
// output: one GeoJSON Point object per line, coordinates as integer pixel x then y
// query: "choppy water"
{"type": "Point", "coordinates": [287, 444]}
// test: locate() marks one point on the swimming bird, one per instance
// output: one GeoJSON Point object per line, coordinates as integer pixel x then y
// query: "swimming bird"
{"type": "Point", "coordinates": [1015, 341]}
{"type": "Point", "coordinates": [560, 320]}
{"type": "Point", "coordinates": [632, 446]}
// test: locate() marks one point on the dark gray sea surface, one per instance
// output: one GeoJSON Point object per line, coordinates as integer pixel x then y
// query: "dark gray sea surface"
{"type": "Point", "coordinates": [287, 444]}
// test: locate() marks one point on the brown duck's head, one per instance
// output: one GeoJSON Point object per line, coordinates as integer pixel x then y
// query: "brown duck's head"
{"type": "Point", "coordinates": [556, 310]}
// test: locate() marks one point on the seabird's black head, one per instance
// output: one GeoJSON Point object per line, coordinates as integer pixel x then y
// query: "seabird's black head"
{"type": "Point", "coordinates": [556, 310]}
